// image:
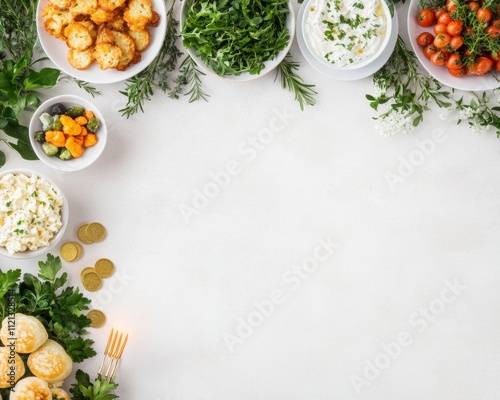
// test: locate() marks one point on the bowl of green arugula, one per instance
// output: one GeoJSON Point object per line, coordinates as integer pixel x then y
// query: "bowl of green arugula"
{"type": "Point", "coordinates": [237, 40]}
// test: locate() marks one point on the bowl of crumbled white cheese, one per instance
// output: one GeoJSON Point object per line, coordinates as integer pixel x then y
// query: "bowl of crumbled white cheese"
{"type": "Point", "coordinates": [33, 214]}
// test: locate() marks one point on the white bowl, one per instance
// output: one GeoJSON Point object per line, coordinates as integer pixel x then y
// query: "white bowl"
{"type": "Point", "coordinates": [89, 155]}
{"type": "Point", "coordinates": [346, 74]}
{"type": "Point", "coordinates": [269, 65]}
{"type": "Point", "coordinates": [440, 73]}
{"type": "Point", "coordinates": [356, 65]}
{"type": "Point", "coordinates": [57, 50]}
{"type": "Point", "coordinates": [64, 219]}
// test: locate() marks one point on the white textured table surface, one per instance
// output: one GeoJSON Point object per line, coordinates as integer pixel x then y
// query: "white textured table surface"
{"type": "Point", "coordinates": [264, 252]}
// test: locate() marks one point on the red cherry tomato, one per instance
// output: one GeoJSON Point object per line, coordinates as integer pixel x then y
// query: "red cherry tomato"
{"type": "Point", "coordinates": [438, 58]}
{"type": "Point", "coordinates": [429, 50]}
{"type": "Point", "coordinates": [482, 66]}
{"type": "Point", "coordinates": [492, 31]}
{"type": "Point", "coordinates": [473, 5]}
{"type": "Point", "coordinates": [439, 12]}
{"type": "Point", "coordinates": [456, 42]}
{"type": "Point", "coordinates": [444, 18]}
{"type": "Point", "coordinates": [425, 38]}
{"type": "Point", "coordinates": [426, 18]}
{"type": "Point", "coordinates": [454, 61]}
{"type": "Point", "coordinates": [494, 56]}
{"type": "Point", "coordinates": [455, 28]}
{"type": "Point", "coordinates": [484, 14]}
{"type": "Point", "coordinates": [439, 28]}
{"type": "Point", "coordinates": [451, 5]}
{"type": "Point", "coordinates": [457, 72]}
{"type": "Point", "coordinates": [442, 40]}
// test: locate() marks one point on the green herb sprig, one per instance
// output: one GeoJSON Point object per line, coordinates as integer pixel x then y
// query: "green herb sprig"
{"type": "Point", "coordinates": [85, 389]}
{"type": "Point", "coordinates": [189, 75]}
{"type": "Point", "coordinates": [141, 87]}
{"type": "Point", "coordinates": [81, 84]}
{"type": "Point", "coordinates": [303, 92]}
{"type": "Point", "coordinates": [405, 91]}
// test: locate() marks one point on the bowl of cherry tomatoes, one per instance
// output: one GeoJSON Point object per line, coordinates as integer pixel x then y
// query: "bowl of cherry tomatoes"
{"type": "Point", "coordinates": [457, 41]}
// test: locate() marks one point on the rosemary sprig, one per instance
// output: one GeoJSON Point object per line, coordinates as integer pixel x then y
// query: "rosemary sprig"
{"type": "Point", "coordinates": [304, 93]}
{"type": "Point", "coordinates": [18, 31]}
{"type": "Point", "coordinates": [81, 84]}
{"type": "Point", "coordinates": [189, 75]}
{"type": "Point", "coordinates": [87, 87]}
{"type": "Point", "coordinates": [141, 87]}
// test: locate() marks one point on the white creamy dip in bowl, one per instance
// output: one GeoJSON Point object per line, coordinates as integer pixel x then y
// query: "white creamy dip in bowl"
{"type": "Point", "coordinates": [346, 34]}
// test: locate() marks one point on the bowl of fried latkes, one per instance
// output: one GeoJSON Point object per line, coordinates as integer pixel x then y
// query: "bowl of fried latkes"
{"type": "Point", "coordinates": [101, 41]}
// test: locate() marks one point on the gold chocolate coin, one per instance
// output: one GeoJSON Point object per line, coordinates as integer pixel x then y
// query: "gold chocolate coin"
{"type": "Point", "coordinates": [104, 267]}
{"type": "Point", "coordinates": [91, 281]}
{"type": "Point", "coordinates": [95, 231]}
{"type": "Point", "coordinates": [69, 252]}
{"type": "Point", "coordinates": [82, 234]}
{"type": "Point", "coordinates": [80, 250]}
{"type": "Point", "coordinates": [97, 318]}
{"type": "Point", "coordinates": [86, 271]}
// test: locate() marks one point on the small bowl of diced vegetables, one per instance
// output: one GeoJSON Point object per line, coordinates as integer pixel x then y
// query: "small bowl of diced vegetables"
{"type": "Point", "coordinates": [68, 133]}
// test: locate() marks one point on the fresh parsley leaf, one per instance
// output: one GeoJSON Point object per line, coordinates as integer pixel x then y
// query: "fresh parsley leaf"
{"type": "Point", "coordinates": [79, 349]}
{"type": "Point", "coordinates": [8, 280]}
{"type": "Point", "coordinates": [84, 389]}
{"type": "Point", "coordinates": [50, 268]}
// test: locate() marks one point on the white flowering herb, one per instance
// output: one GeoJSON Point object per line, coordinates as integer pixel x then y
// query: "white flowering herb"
{"type": "Point", "coordinates": [481, 112]}
{"type": "Point", "coordinates": [403, 94]}
{"type": "Point", "coordinates": [404, 91]}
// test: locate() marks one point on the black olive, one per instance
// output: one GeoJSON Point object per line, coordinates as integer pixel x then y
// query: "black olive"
{"type": "Point", "coordinates": [58, 109]}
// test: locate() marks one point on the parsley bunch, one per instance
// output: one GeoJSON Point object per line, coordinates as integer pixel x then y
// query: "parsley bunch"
{"type": "Point", "coordinates": [60, 308]}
